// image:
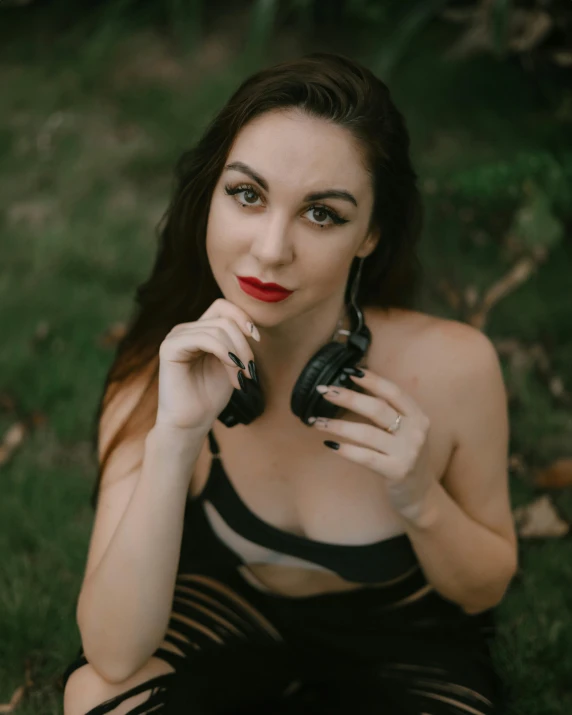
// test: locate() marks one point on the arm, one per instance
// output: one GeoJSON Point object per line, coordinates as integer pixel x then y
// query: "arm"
{"type": "Point", "coordinates": [125, 602]}
{"type": "Point", "coordinates": [464, 534]}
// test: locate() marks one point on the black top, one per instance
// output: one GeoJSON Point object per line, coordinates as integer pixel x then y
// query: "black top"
{"type": "Point", "coordinates": [247, 539]}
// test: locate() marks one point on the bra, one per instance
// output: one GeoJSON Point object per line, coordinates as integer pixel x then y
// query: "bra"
{"type": "Point", "coordinates": [253, 539]}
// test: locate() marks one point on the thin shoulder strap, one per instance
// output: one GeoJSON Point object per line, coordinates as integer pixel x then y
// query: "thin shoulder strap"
{"type": "Point", "coordinates": [213, 444]}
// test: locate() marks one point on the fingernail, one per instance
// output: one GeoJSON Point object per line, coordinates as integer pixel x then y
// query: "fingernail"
{"type": "Point", "coordinates": [252, 371]}
{"type": "Point", "coordinates": [354, 371]}
{"type": "Point", "coordinates": [242, 382]}
{"type": "Point", "coordinates": [331, 445]}
{"type": "Point", "coordinates": [253, 330]}
{"type": "Point", "coordinates": [236, 360]}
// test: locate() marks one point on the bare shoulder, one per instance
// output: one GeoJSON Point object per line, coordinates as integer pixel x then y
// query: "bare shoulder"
{"type": "Point", "coordinates": [464, 352]}
{"type": "Point", "coordinates": [446, 347]}
{"type": "Point", "coordinates": [462, 367]}
{"type": "Point", "coordinates": [447, 364]}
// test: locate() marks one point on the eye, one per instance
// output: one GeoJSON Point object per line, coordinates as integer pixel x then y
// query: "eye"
{"type": "Point", "coordinates": [323, 212]}
{"type": "Point", "coordinates": [247, 189]}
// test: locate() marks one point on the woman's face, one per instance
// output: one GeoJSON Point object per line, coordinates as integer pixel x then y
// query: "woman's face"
{"type": "Point", "coordinates": [263, 221]}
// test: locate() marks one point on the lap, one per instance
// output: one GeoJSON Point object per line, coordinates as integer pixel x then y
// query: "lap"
{"type": "Point", "coordinates": [223, 654]}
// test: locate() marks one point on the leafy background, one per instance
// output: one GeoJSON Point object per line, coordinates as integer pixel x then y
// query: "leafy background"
{"type": "Point", "coordinates": [96, 107]}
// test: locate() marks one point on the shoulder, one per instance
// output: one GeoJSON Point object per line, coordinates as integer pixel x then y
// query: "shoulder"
{"type": "Point", "coordinates": [452, 363]}
{"type": "Point", "coordinates": [458, 340]}
{"type": "Point", "coordinates": [461, 354]}
{"type": "Point", "coordinates": [443, 346]}
{"type": "Point", "coordinates": [464, 369]}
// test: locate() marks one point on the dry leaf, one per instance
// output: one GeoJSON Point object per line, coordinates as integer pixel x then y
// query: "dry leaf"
{"type": "Point", "coordinates": [539, 520]}
{"type": "Point", "coordinates": [556, 476]}
{"type": "Point", "coordinates": [12, 440]}
{"type": "Point", "coordinates": [18, 693]}
{"type": "Point", "coordinates": [517, 464]}
{"type": "Point", "coordinates": [14, 701]}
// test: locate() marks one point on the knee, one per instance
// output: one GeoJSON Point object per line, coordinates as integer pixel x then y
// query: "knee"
{"type": "Point", "coordinates": [83, 690]}
{"type": "Point", "coordinates": [86, 689]}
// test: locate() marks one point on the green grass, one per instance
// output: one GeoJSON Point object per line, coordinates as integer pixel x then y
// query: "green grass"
{"type": "Point", "coordinates": [86, 149]}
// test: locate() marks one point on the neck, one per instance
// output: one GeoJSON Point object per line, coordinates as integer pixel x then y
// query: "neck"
{"type": "Point", "coordinates": [280, 360]}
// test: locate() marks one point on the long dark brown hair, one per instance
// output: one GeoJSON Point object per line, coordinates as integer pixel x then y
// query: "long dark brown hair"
{"type": "Point", "coordinates": [181, 286]}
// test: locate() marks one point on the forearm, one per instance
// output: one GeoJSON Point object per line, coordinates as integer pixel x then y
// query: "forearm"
{"type": "Point", "coordinates": [462, 559]}
{"type": "Point", "coordinates": [125, 604]}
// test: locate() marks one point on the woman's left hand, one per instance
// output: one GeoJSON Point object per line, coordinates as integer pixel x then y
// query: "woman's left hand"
{"type": "Point", "coordinates": [400, 457]}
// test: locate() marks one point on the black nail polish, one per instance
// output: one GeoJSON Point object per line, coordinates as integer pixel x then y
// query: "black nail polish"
{"type": "Point", "coordinates": [354, 371]}
{"type": "Point", "coordinates": [252, 371]}
{"type": "Point", "coordinates": [242, 382]}
{"type": "Point", "coordinates": [236, 360]}
{"type": "Point", "coordinates": [331, 445]}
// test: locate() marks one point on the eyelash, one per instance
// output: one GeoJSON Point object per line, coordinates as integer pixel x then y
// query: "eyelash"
{"type": "Point", "coordinates": [335, 217]}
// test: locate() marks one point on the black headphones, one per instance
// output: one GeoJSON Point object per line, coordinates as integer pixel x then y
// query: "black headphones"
{"type": "Point", "coordinates": [325, 367]}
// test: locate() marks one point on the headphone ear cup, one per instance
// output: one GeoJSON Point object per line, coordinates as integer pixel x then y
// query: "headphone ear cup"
{"type": "Point", "coordinates": [243, 407]}
{"type": "Point", "coordinates": [324, 368]}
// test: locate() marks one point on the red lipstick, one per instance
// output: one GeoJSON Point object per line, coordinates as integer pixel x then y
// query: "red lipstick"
{"type": "Point", "coordinates": [268, 292]}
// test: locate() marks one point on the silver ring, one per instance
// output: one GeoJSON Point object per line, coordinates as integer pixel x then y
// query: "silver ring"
{"type": "Point", "coordinates": [395, 426]}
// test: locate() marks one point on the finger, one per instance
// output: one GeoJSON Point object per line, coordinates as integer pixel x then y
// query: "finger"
{"type": "Point", "coordinates": [222, 308]}
{"type": "Point", "coordinates": [383, 464]}
{"type": "Point", "coordinates": [363, 435]}
{"type": "Point", "coordinates": [389, 391]}
{"type": "Point", "coordinates": [375, 409]}
{"type": "Point", "coordinates": [228, 332]}
{"type": "Point", "coordinates": [186, 346]}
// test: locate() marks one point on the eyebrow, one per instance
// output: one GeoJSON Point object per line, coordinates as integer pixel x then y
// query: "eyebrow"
{"type": "Point", "coordinates": [315, 196]}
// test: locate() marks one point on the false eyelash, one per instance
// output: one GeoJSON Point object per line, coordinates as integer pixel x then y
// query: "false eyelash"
{"type": "Point", "coordinates": [336, 218]}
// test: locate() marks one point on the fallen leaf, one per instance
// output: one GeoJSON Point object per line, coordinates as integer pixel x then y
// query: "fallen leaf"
{"type": "Point", "coordinates": [555, 476]}
{"type": "Point", "coordinates": [19, 692]}
{"type": "Point", "coordinates": [11, 441]}
{"type": "Point", "coordinates": [14, 701]}
{"type": "Point", "coordinates": [517, 464]}
{"type": "Point", "coordinates": [539, 520]}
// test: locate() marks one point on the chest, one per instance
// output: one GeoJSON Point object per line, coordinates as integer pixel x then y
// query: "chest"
{"type": "Point", "coordinates": [287, 477]}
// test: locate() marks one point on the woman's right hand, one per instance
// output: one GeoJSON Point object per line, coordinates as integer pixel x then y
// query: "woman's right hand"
{"type": "Point", "coordinates": [196, 374]}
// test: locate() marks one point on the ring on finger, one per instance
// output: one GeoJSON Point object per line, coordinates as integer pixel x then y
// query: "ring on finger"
{"type": "Point", "coordinates": [395, 425]}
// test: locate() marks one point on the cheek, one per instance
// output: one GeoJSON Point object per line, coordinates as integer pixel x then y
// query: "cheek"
{"type": "Point", "coordinates": [222, 226]}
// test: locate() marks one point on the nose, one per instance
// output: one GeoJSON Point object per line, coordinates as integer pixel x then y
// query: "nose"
{"type": "Point", "coordinates": [273, 240]}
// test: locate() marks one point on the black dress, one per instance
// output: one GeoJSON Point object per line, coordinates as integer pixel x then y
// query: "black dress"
{"type": "Point", "coordinates": [398, 648]}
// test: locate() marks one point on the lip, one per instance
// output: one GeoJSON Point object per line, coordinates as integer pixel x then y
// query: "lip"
{"type": "Point", "coordinates": [252, 280]}
{"type": "Point", "coordinates": [268, 295]}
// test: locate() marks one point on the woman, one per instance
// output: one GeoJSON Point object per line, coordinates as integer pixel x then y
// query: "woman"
{"type": "Point", "coordinates": [246, 557]}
